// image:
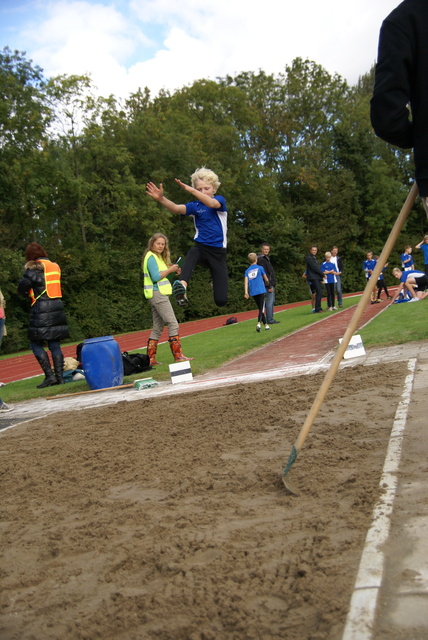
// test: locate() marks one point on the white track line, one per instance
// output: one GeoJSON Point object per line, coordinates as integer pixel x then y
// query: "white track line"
{"type": "Point", "coordinates": [361, 616]}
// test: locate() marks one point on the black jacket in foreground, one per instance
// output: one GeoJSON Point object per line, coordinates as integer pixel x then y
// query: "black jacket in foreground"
{"type": "Point", "coordinates": [402, 78]}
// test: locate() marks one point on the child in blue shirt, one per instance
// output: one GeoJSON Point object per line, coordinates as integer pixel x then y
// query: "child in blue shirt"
{"type": "Point", "coordinates": [381, 284]}
{"type": "Point", "coordinates": [368, 265]}
{"type": "Point", "coordinates": [407, 261]}
{"type": "Point", "coordinates": [330, 278]}
{"type": "Point", "coordinates": [423, 246]}
{"type": "Point", "coordinates": [255, 283]}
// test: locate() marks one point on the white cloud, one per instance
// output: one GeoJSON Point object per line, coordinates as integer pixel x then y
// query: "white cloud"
{"type": "Point", "coordinates": [165, 43]}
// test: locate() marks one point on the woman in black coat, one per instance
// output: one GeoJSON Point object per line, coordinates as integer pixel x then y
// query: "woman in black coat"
{"type": "Point", "coordinates": [42, 283]}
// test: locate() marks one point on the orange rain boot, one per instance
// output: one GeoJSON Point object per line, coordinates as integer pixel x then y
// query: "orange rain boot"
{"type": "Point", "coordinates": [175, 345]}
{"type": "Point", "coordinates": [152, 346]}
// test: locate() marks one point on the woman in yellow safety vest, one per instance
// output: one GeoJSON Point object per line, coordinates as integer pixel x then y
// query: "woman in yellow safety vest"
{"type": "Point", "coordinates": [157, 266]}
{"type": "Point", "coordinates": [41, 282]}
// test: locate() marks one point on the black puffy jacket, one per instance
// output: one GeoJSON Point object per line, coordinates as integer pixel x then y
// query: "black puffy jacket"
{"type": "Point", "coordinates": [47, 316]}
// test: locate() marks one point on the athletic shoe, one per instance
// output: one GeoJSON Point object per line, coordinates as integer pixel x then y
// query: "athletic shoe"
{"type": "Point", "coordinates": [5, 407]}
{"type": "Point", "coordinates": [258, 328]}
{"type": "Point", "coordinates": [179, 293]}
{"type": "Point", "coordinates": [313, 311]}
{"type": "Point", "coordinates": [267, 327]}
{"type": "Point", "coordinates": [389, 297]}
{"type": "Point", "coordinates": [414, 300]}
{"type": "Point", "coordinates": [334, 308]}
{"type": "Point", "coordinates": [2, 384]}
{"type": "Point", "coordinates": [275, 322]}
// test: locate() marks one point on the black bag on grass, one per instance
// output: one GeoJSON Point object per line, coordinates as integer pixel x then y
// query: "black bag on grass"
{"type": "Point", "coordinates": [135, 363]}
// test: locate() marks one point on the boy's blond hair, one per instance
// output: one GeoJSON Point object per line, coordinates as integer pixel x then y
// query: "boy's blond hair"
{"type": "Point", "coordinates": [206, 175]}
{"type": "Point", "coordinates": [327, 254]}
{"type": "Point", "coordinates": [396, 270]}
{"type": "Point", "coordinates": [252, 257]}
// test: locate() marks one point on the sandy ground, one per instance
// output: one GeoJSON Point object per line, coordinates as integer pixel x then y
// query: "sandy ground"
{"type": "Point", "coordinates": [166, 518]}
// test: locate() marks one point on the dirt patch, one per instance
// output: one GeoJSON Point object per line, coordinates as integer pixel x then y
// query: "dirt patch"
{"type": "Point", "coordinates": [166, 518]}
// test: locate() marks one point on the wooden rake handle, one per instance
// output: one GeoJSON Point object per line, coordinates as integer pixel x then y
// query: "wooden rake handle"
{"type": "Point", "coordinates": [356, 317]}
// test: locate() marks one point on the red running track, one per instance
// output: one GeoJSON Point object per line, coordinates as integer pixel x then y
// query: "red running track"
{"type": "Point", "coordinates": [26, 366]}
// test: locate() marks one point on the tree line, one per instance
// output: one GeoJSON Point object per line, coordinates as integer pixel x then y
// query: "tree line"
{"type": "Point", "coordinates": [297, 159]}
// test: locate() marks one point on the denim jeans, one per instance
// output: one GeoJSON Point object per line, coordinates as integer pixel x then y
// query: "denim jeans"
{"type": "Point", "coordinates": [339, 290]}
{"type": "Point", "coordinates": [269, 305]}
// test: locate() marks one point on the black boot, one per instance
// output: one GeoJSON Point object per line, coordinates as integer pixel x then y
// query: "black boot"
{"type": "Point", "coordinates": [49, 380]}
{"type": "Point", "coordinates": [58, 361]}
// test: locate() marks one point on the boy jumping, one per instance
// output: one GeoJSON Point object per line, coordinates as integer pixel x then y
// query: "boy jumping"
{"type": "Point", "coordinates": [210, 218]}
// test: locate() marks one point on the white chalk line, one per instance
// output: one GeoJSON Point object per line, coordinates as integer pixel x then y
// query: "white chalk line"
{"type": "Point", "coordinates": [361, 616]}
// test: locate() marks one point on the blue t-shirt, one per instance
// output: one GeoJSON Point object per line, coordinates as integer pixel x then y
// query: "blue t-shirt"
{"type": "Point", "coordinates": [381, 273]}
{"type": "Point", "coordinates": [407, 261]}
{"type": "Point", "coordinates": [210, 223]}
{"type": "Point", "coordinates": [256, 284]}
{"type": "Point", "coordinates": [415, 274]}
{"type": "Point", "coordinates": [369, 265]}
{"type": "Point", "coordinates": [328, 266]}
{"type": "Point", "coordinates": [424, 248]}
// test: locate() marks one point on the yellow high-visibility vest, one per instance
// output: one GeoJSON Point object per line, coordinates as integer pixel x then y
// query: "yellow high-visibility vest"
{"type": "Point", "coordinates": [164, 285]}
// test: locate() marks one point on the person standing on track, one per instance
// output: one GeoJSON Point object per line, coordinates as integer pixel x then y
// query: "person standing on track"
{"type": "Point", "coordinates": [338, 263]}
{"type": "Point", "coordinates": [255, 284]}
{"type": "Point", "coordinates": [329, 271]}
{"type": "Point", "coordinates": [210, 218]}
{"type": "Point", "coordinates": [368, 266]}
{"type": "Point", "coordinates": [315, 276]}
{"type": "Point", "coordinates": [406, 258]}
{"type": "Point", "coordinates": [264, 261]}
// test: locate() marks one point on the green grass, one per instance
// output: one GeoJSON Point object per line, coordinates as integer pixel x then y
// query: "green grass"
{"type": "Point", "coordinates": [398, 324]}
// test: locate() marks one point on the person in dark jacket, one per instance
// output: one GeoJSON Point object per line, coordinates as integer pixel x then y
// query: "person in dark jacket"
{"type": "Point", "coordinates": [401, 80]}
{"type": "Point", "coordinates": [315, 276]}
{"type": "Point", "coordinates": [42, 283]}
{"type": "Point", "coordinates": [263, 260]}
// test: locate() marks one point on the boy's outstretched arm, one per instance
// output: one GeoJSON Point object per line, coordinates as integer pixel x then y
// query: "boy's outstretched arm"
{"type": "Point", "coordinates": [202, 197]}
{"type": "Point", "coordinates": [157, 194]}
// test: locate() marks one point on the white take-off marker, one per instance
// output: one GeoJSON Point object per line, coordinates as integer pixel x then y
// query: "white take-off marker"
{"type": "Point", "coordinates": [355, 348]}
{"type": "Point", "coordinates": [362, 612]}
{"type": "Point", "coordinates": [180, 372]}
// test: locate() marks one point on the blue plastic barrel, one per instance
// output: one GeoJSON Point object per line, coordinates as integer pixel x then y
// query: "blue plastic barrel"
{"type": "Point", "coordinates": [102, 362]}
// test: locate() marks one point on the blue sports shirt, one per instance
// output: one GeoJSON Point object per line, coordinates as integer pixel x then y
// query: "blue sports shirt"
{"type": "Point", "coordinates": [210, 223]}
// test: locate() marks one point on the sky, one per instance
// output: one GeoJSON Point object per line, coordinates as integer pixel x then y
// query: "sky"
{"type": "Point", "coordinates": [168, 44]}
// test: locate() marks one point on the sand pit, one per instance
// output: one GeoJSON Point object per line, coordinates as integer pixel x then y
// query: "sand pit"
{"type": "Point", "coordinates": [166, 518]}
